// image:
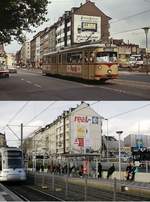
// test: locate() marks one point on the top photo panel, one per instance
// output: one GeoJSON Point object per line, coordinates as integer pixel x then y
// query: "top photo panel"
{"type": "Point", "coordinates": [75, 50]}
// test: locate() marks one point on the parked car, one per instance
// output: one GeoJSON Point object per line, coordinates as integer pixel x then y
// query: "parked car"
{"type": "Point", "coordinates": [4, 73]}
{"type": "Point", "coordinates": [12, 70]}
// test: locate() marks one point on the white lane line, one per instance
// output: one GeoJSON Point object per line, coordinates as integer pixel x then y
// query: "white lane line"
{"type": "Point", "coordinates": [89, 86]}
{"type": "Point", "coordinates": [37, 85]}
{"type": "Point", "coordinates": [29, 82]}
{"type": "Point", "coordinates": [22, 79]}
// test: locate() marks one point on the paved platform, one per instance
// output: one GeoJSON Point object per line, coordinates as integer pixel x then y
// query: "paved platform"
{"type": "Point", "coordinates": [7, 195]}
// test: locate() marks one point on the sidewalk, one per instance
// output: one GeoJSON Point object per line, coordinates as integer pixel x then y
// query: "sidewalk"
{"type": "Point", "coordinates": [7, 195]}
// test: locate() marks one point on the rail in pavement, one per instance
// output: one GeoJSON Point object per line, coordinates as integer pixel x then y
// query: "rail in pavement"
{"type": "Point", "coordinates": [7, 195]}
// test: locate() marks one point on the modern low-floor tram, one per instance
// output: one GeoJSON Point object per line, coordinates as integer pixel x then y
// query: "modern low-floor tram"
{"type": "Point", "coordinates": [11, 164]}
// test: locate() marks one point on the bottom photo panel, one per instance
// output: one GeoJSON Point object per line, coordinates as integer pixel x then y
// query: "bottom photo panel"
{"type": "Point", "coordinates": [75, 150]}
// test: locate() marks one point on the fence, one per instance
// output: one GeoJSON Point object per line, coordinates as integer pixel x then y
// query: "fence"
{"type": "Point", "coordinates": [70, 188]}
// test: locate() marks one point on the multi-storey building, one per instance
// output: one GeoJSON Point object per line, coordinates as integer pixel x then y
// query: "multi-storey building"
{"type": "Point", "coordinates": [134, 140]}
{"type": "Point", "coordinates": [25, 54]}
{"type": "Point", "coordinates": [2, 55]}
{"type": "Point", "coordinates": [76, 131]}
{"type": "Point", "coordinates": [2, 140]}
{"type": "Point", "coordinates": [82, 24]}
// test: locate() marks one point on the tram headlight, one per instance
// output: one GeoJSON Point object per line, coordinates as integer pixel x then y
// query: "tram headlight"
{"type": "Point", "coordinates": [99, 67]}
{"type": "Point", "coordinates": [109, 71]}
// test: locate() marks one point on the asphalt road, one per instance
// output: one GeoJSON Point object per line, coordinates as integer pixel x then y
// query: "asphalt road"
{"type": "Point", "coordinates": [28, 85]}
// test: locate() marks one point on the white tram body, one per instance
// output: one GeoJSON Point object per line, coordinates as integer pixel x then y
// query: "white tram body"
{"type": "Point", "coordinates": [11, 164]}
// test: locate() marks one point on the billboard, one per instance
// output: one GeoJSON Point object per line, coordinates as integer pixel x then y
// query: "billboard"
{"type": "Point", "coordinates": [86, 28]}
{"type": "Point", "coordinates": [84, 129]}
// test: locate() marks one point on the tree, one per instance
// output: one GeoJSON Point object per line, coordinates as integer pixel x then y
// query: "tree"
{"type": "Point", "coordinates": [17, 16]}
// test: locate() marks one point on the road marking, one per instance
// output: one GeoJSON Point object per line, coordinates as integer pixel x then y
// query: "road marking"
{"type": "Point", "coordinates": [89, 86]}
{"type": "Point", "coordinates": [37, 85]}
{"type": "Point", "coordinates": [29, 82]}
{"type": "Point", "coordinates": [22, 79]}
{"type": "Point", "coordinates": [125, 92]}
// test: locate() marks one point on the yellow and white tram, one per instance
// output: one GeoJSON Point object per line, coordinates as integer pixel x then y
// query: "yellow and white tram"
{"type": "Point", "coordinates": [11, 164]}
{"type": "Point", "coordinates": [89, 62]}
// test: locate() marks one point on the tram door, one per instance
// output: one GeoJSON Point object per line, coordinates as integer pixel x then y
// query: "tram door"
{"type": "Point", "coordinates": [88, 67]}
{"type": "Point", "coordinates": [85, 68]}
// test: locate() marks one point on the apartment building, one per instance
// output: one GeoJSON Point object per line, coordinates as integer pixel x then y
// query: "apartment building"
{"type": "Point", "coordinates": [2, 140]}
{"type": "Point", "coordinates": [76, 131]}
{"type": "Point", "coordinates": [82, 24]}
{"type": "Point", "coordinates": [25, 54]}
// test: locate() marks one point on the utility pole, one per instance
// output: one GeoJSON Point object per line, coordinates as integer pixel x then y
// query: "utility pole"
{"type": "Point", "coordinates": [119, 134]}
{"type": "Point", "coordinates": [21, 137]}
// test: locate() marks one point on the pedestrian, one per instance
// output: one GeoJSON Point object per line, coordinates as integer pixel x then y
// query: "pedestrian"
{"type": "Point", "coordinates": [110, 171]}
{"type": "Point", "coordinates": [129, 171]}
{"type": "Point", "coordinates": [42, 168]}
{"type": "Point", "coordinates": [133, 171]}
{"type": "Point", "coordinates": [99, 170]}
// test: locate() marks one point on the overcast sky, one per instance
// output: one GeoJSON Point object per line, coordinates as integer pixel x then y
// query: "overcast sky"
{"type": "Point", "coordinates": [133, 122]}
{"type": "Point", "coordinates": [116, 9]}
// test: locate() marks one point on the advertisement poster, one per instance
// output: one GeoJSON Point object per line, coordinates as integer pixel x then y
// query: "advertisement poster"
{"type": "Point", "coordinates": [82, 131]}
{"type": "Point", "coordinates": [86, 28]}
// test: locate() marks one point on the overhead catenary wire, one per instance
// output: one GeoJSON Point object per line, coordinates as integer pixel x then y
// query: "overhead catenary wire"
{"type": "Point", "coordinates": [130, 16]}
{"type": "Point", "coordinates": [129, 111]}
{"type": "Point", "coordinates": [41, 112]}
{"type": "Point", "coordinates": [16, 114]}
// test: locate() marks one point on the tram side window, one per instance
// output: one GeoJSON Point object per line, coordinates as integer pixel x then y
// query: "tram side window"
{"type": "Point", "coordinates": [86, 57]}
{"type": "Point", "coordinates": [0, 162]}
{"type": "Point", "coordinates": [54, 60]}
{"type": "Point", "coordinates": [64, 58]}
{"type": "Point", "coordinates": [59, 59]}
{"type": "Point", "coordinates": [74, 58]}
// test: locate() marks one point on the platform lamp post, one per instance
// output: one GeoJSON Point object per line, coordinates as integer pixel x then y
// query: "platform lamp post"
{"type": "Point", "coordinates": [146, 30]}
{"type": "Point", "coordinates": [119, 134]}
{"type": "Point", "coordinates": [106, 139]}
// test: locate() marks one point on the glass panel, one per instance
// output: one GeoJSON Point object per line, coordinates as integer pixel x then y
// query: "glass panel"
{"type": "Point", "coordinates": [106, 57]}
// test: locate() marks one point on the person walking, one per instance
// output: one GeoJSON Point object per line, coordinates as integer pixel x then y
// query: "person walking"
{"type": "Point", "coordinates": [129, 171]}
{"type": "Point", "coordinates": [99, 170]}
{"type": "Point", "coordinates": [110, 171]}
{"type": "Point", "coordinates": [133, 171]}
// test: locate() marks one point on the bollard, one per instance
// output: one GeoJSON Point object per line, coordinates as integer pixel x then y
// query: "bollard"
{"type": "Point", "coordinates": [85, 189]}
{"type": "Point", "coordinates": [66, 192]}
{"type": "Point", "coordinates": [115, 189]}
{"type": "Point", "coordinates": [34, 178]}
{"type": "Point", "coordinates": [53, 182]}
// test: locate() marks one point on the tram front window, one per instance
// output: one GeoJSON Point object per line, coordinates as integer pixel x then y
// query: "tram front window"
{"type": "Point", "coordinates": [106, 57]}
{"type": "Point", "coordinates": [14, 163]}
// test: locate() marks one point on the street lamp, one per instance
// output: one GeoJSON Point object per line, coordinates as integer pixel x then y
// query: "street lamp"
{"type": "Point", "coordinates": [119, 134]}
{"type": "Point", "coordinates": [146, 29]}
{"type": "Point", "coordinates": [107, 140]}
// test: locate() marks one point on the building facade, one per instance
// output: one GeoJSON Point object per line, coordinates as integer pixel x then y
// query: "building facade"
{"type": "Point", "coordinates": [82, 24]}
{"type": "Point", "coordinates": [134, 140]}
{"type": "Point", "coordinates": [25, 54]}
{"type": "Point", "coordinates": [76, 131]}
{"type": "Point", "coordinates": [2, 140]}
{"type": "Point", "coordinates": [2, 55]}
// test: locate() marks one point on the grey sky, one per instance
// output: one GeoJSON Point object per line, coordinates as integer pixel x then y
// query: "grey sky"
{"type": "Point", "coordinates": [134, 122]}
{"type": "Point", "coordinates": [116, 9]}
